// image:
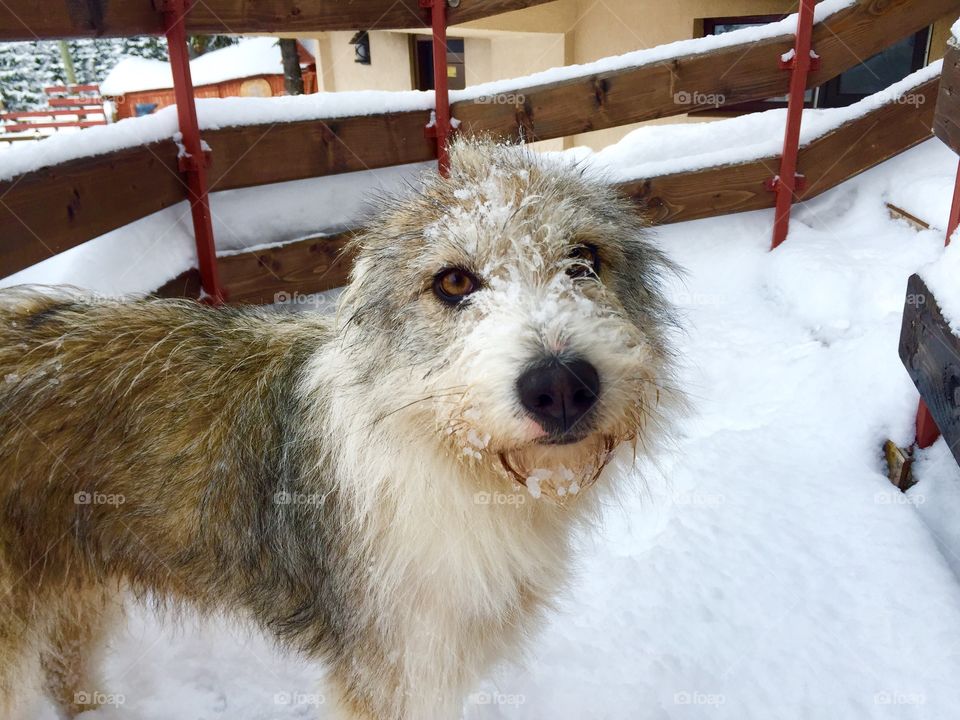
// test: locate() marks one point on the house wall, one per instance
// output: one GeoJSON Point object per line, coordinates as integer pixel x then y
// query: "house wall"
{"type": "Point", "coordinates": [126, 104]}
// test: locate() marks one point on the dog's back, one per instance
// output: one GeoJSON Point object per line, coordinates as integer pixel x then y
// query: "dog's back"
{"type": "Point", "coordinates": [113, 419]}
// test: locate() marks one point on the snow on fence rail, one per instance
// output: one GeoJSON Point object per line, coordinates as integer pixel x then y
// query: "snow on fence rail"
{"type": "Point", "coordinates": [31, 20]}
{"type": "Point", "coordinates": [313, 136]}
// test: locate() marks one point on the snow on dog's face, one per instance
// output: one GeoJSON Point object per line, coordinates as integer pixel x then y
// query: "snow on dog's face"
{"type": "Point", "coordinates": [514, 311]}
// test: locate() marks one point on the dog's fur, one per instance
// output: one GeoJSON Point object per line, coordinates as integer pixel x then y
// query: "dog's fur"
{"type": "Point", "coordinates": [329, 479]}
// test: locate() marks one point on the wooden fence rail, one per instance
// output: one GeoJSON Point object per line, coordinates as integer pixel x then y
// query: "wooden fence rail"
{"type": "Point", "coordinates": [50, 19]}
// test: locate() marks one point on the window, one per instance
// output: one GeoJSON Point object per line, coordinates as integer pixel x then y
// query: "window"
{"type": "Point", "coordinates": [423, 63]}
{"type": "Point", "coordinates": [883, 69]}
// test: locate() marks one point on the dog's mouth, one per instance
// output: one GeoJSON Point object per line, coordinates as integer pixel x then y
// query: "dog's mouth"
{"type": "Point", "coordinates": [563, 478]}
{"type": "Point", "coordinates": [565, 439]}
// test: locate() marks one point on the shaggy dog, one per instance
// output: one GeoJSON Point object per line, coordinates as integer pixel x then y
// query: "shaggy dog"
{"type": "Point", "coordinates": [392, 491]}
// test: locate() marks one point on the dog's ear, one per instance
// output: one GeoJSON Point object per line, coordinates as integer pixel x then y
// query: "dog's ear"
{"type": "Point", "coordinates": [469, 156]}
{"type": "Point", "coordinates": [473, 157]}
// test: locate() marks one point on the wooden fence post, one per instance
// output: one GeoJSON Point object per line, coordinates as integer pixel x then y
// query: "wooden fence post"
{"type": "Point", "coordinates": [193, 159]}
{"type": "Point", "coordinates": [800, 65]}
{"type": "Point", "coordinates": [440, 129]}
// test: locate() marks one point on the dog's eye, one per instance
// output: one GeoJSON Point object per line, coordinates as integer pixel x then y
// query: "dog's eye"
{"type": "Point", "coordinates": [586, 261]}
{"type": "Point", "coordinates": [452, 285]}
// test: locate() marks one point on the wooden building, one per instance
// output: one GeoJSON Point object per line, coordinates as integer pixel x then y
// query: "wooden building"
{"type": "Point", "coordinates": [251, 68]}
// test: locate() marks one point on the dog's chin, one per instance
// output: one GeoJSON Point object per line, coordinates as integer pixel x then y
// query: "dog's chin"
{"type": "Point", "coordinates": [558, 467]}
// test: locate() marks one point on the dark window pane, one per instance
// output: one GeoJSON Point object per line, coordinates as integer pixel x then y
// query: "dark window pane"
{"type": "Point", "coordinates": [882, 70]}
{"type": "Point", "coordinates": [721, 28]}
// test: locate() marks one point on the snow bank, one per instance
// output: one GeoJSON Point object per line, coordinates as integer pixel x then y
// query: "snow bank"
{"type": "Point", "coordinates": [249, 57]}
{"type": "Point", "coordinates": [936, 496]}
{"type": "Point", "coordinates": [941, 278]}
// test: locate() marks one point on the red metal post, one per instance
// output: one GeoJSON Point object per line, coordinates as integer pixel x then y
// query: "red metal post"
{"type": "Point", "coordinates": [441, 128]}
{"type": "Point", "coordinates": [194, 162]}
{"type": "Point", "coordinates": [927, 430]}
{"type": "Point", "coordinates": [800, 66]}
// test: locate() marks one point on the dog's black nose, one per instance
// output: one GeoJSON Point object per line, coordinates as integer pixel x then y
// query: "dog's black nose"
{"type": "Point", "coordinates": [558, 393]}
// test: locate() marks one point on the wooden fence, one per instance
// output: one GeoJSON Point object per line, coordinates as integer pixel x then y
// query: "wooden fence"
{"type": "Point", "coordinates": [50, 210]}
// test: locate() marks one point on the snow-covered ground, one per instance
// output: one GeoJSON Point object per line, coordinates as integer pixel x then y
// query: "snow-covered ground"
{"type": "Point", "coordinates": [766, 568]}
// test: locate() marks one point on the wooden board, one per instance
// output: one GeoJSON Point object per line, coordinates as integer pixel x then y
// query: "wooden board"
{"type": "Point", "coordinates": [54, 209]}
{"type": "Point", "coordinates": [255, 155]}
{"type": "Point", "coordinates": [282, 274]}
{"type": "Point", "coordinates": [946, 124]}
{"type": "Point", "coordinates": [931, 354]}
{"type": "Point", "coordinates": [30, 20]}
{"type": "Point", "coordinates": [868, 141]}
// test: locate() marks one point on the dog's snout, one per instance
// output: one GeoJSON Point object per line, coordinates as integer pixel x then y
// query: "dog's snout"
{"type": "Point", "coordinates": [559, 393]}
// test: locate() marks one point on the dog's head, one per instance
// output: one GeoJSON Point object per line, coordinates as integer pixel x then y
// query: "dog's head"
{"type": "Point", "coordinates": [514, 311]}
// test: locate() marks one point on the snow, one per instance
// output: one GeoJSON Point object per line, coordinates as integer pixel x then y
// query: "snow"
{"type": "Point", "coordinates": [955, 30]}
{"type": "Point", "coordinates": [940, 278]}
{"type": "Point", "coordinates": [248, 58]}
{"type": "Point", "coordinates": [763, 568]}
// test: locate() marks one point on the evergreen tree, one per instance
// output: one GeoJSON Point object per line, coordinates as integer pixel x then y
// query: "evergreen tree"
{"type": "Point", "coordinates": [26, 68]}
{"type": "Point", "coordinates": [200, 44]}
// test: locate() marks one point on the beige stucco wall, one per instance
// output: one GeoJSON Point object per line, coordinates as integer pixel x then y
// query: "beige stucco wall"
{"type": "Point", "coordinates": [389, 70]}
{"type": "Point", "coordinates": [489, 56]}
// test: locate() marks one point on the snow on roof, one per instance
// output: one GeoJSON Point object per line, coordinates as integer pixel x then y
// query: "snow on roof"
{"type": "Point", "coordinates": [249, 57]}
{"type": "Point", "coordinates": [955, 30]}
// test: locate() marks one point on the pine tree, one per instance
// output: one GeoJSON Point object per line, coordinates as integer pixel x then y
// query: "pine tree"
{"type": "Point", "coordinates": [26, 68]}
{"type": "Point", "coordinates": [200, 44]}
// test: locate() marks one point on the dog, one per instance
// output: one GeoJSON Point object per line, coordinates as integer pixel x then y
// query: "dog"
{"type": "Point", "coordinates": [391, 489]}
